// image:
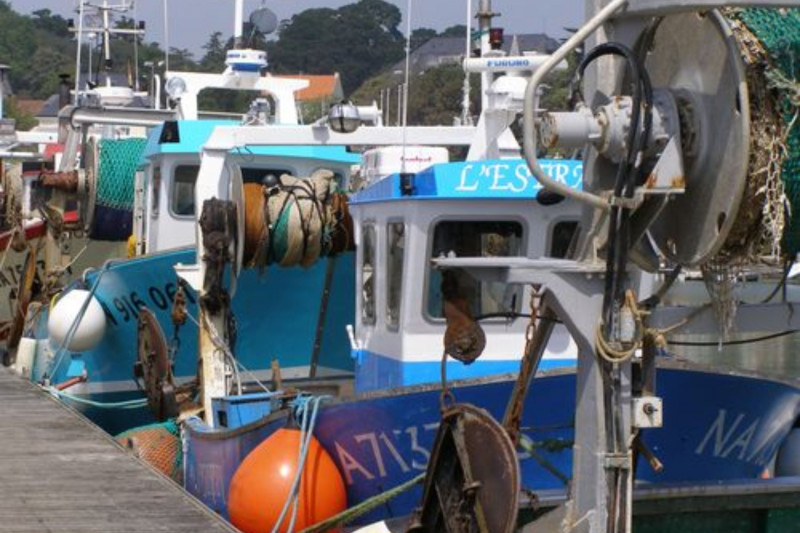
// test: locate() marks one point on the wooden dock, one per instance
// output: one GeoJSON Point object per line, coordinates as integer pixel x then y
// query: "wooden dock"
{"type": "Point", "coordinates": [61, 473]}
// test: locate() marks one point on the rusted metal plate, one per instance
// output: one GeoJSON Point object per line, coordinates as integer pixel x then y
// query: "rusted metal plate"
{"type": "Point", "coordinates": [472, 483]}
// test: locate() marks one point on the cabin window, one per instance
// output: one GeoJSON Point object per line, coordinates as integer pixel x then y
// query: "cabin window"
{"type": "Point", "coordinates": [257, 175]}
{"type": "Point", "coordinates": [395, 252]}
{"type": "Point", "coordinates": [475, 239]}
{"type": "Point", "coordinates": [185, 176]}
{"type": "Point", "coordinates": [561, 238]}
{"type": "Point", "coordinates": [368, 276]}
{"type": "Point", "coordinates": [155, 191]}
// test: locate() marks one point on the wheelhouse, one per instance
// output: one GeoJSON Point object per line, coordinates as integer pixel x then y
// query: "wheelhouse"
{"type": "Point", "coordinates": [472, 209]}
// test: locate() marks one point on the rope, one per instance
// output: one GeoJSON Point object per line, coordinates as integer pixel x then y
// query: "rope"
{"type": "Point", "coordinates": [348, 515]}
{"type": "Point", "coordinates": [293, 220]}
{"type": "Point", "coordinates": [614, 355]}
{"type": "Point", "coordinates": [129, 404]}
{"type": "Point", "coordinates": [307, 424]}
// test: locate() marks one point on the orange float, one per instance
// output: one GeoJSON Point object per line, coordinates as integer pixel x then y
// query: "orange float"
{"type": "Point", "coordinates": [261, 485]}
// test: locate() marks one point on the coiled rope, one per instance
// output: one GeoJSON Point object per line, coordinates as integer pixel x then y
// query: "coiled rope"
{"type": "Point", "coordinates": [307, 423]}
{"type": "Point", "coordinates": [128, 404]}
{"type": "Point", "coordinates": [364, 507]}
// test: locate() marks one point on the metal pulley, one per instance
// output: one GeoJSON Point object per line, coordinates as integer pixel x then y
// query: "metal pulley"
{"type": "Point", "coordinates": [699, 143]}
{"type": "Point", "coordinates": [153, 367]}
{"type": "Point", "coordinates": [473, 481]}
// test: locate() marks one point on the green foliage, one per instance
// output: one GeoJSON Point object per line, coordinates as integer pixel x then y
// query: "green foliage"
{"type": "Point", "coordinates": [459, 30]}
{"type": "Point", "coordinates": [357, 40]}
{"type": "Point", "coordinates": [420, 36]}
{"type": "Point", "coordinates": [435, 97]}
{"type": "Point", "coordinates": [555, 96]}
{"type": "Point", "coordinates": [11, 109]}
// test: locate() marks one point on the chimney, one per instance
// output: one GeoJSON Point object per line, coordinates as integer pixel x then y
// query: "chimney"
{"type": "Point", "coordinates": [63, 90]}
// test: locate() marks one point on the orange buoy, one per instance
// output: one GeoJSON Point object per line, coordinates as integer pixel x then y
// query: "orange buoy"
{"type": "Point", "coordinates": [262, 483]}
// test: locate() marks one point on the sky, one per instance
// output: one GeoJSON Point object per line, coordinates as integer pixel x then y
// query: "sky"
{"type": "Point", "coordinates": [192, 21]}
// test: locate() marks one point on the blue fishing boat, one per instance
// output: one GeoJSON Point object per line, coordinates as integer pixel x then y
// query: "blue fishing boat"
{"type": "Point", "coordinates": [449, 262]}
{"type": "Point", "coordinates": [729, 427]}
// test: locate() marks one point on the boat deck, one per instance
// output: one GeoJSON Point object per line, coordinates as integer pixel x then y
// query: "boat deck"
{"type": "Point", "coordinates": [59, 472]}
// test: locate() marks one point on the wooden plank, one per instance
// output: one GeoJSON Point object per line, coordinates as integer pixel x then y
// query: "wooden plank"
{"type": "Point", "coordinates": [61, 473]}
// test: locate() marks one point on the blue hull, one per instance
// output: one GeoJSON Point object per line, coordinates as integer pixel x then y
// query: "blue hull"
{"type": "Point", "coordinates": [275, 326]}
{"type": "Point", "coordinates": [716, 427]}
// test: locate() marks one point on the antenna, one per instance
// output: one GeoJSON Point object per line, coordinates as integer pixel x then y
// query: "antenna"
{"type": "Point", "coordinates": [238, 22]}
{"type": "Point", "coordinates": [466, 116]}
{"type": "Point", "coordinates": [78, 60]}
{"type": "Point", "coordinates": [166, 37]}
{"type": "Point", "coordinates": [405, 87]}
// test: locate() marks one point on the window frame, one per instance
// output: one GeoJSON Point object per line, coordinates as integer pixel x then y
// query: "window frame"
{"type": "Point", "coordinates": [366, 228]}
{"type": "Point", "coordinates": [394, 325]}
{"type": "Point", "coordinates": [524, 246]}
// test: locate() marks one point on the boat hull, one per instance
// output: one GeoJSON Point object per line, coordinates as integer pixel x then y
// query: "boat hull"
{"type": "Point", "coordinates": [717, 426]}
{"type": "Point", "coordinates": [276, 314]}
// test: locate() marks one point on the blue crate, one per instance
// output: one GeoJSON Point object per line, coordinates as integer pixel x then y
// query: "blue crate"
{"type": "Point", "coordinates": [235, 411]}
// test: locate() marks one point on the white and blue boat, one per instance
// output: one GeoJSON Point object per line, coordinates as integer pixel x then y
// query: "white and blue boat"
{"type": "Point", "coordinates": [487, 212]}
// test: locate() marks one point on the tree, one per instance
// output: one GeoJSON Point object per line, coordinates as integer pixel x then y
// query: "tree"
{"type": "Point", "coordinates": [55, 24]}
{"type": "Point", "coordinates": [214, 58]}
{"type": "Point", "coordinates": [459, 30]}
{"type": "Point", "coordinates": [24, 120]}
{"type": "Point", "coordinates": [356, 40]}
{"type": "Point", "coordinates": [181, 59]}
{"type": "Point", "coordinates": [420, 36]}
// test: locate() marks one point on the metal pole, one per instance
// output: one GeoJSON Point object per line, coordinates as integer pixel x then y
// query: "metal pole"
{"type": "Point", "coordinates": [485, 16]}
{"type": "Point", "coordinates": [238, 22]}
{"type": "Point", "coordinates": [466, 116]}
{"type": "Point", "coordinates": [2, 89]}
{"type": "Point", "coordinates": [78, 60]}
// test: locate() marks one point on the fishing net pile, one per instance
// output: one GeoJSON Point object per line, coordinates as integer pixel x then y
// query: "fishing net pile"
{"type": "Point", "coordinates": [114, 166]}
{"type": "Point", "coordinates": [767, 227]}
{"type": "Point", "coordinates": [293, 221]}
{"type": "Point", "coordinates": [159, 445]}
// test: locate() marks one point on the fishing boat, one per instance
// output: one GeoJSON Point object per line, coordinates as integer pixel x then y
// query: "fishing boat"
{"type": "Point", "coordinates": [160, 231]}
{"type": "Point", "coordinates": [465, 231]}
{"type": "Point", "coordinates": [472, 233]}
{"type": "Point", "coordinates": [44, 224]}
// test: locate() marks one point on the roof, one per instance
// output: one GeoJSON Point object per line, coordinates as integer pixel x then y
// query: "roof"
{"type": "Point", "coordinates": [439, 50]}
{"type": "Point", "coordinates": [31, 107]}
{"type": "Point", "coordinates": [193, 134]}
{"type": "Point", "coordinates": [322, 87]}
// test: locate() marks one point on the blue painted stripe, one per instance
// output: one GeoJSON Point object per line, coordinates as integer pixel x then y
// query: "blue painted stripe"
{"type": "Point", "coordinates": [194, 134]}
{"type": "Point", "coordinates": [375, 371]}
{"type": "Point", "coordinates": [494, 179]}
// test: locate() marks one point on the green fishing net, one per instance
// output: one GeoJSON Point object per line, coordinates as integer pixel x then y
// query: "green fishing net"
{"type": "Point", "coordinates": [117, 171]}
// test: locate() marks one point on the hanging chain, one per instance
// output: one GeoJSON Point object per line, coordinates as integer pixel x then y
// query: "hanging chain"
{"type": "Point", "coordinates": [530, 330]}
{"type": "Point", "coordinates": [178, 316]}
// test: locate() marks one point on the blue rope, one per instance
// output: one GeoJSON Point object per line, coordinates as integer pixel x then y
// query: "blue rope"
{"type": "Point", "coordinates": [307, 424]}
{"type": "Point", "coordinates": [128, 404]}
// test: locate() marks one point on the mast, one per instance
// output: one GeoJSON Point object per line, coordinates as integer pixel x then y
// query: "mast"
{"type": "Point", "coordinates": [238, 23]}
{"type": "Point", "coordinates": [485, 16]}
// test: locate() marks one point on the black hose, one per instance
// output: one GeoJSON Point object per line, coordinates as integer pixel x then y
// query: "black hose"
{"type": "Point", "coordinates": [618, 240]}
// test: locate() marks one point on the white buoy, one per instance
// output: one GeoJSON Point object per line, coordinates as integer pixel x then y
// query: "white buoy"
{"type": "Point", "coordinates": [26, 355]}
{"type": "Point", "coordinates": [89, 331]}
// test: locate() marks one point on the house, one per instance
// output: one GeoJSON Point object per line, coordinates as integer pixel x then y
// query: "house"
{"type": "Point", "coordinates": [440, 51]}
{"type": "Point", "coordinates": [314, 101]}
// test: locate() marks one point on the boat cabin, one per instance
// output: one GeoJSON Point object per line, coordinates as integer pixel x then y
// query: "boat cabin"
{"type": "Point", "coordinates": [168, 173]}
{"type": "Point", "coordinates": [468, 209]}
